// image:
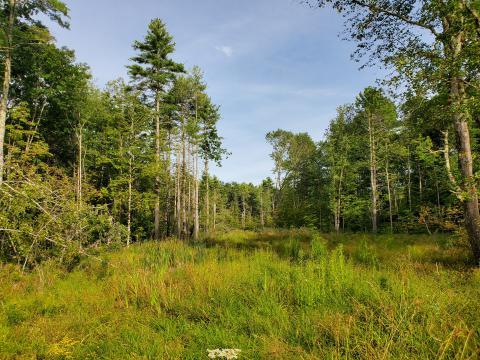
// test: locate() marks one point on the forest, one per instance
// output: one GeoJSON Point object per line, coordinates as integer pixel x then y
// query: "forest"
{"type": "Point", "coordinates": [118, 241]}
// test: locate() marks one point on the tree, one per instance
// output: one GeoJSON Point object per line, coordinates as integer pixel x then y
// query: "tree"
{"type": "Point", "coordinates": [19, 25]}
{"type": "Point", "coordinates": [210, 145]}
{"type": "Point", "coordinates": [337, 150]}
{"type": "Point", "coordinates": [377, 114]}
{"type": "Point", "coordinates": [294, 160]}
{"type": "Point", "coordinates": [153, 71]}
{"type": "Point", "coordinates": [433, 45]}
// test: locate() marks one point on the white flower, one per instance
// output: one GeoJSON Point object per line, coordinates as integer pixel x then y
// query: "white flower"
{"type": "Point", "coordinates": [228, 354]}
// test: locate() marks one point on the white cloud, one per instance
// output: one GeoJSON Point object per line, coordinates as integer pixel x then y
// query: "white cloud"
{"type": "Point", "coordinates": [226, 50]}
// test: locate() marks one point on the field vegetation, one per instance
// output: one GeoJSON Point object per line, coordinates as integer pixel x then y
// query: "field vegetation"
{"type": "Point", "coordinates": [273, 295]}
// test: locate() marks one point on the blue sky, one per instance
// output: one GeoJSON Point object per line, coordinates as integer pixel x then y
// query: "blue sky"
{"type": "Point", "coordinates": [269, 64]}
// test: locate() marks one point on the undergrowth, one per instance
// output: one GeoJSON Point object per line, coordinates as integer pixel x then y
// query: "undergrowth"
{"type": "Point", "coordinates": [314, 297]}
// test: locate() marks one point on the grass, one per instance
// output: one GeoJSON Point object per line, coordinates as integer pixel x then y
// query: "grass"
{"type": "Point", "coordinates": [274, 295]}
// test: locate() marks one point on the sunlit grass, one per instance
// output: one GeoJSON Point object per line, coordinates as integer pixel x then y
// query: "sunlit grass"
{"type": "Point", "coordinates": [294, 297]}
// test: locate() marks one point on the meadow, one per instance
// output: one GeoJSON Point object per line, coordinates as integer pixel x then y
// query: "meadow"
{"type": "Point", "coordinates": [273, 295]}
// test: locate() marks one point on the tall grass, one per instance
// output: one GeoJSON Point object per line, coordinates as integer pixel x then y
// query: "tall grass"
{"type": "Point", "coordinates": [313, 298]}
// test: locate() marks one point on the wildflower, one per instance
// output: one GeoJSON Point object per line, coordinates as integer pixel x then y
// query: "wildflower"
{"type": "Point", "coordinates": [228, 354]}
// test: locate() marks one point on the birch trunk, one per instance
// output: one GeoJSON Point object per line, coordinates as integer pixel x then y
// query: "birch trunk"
{"type": "Point", "coordinates": [262, 218]}
{"type": "Point", "coordinates": [244, 210]}
{"type": "Point", "coordinates": [373, 173]}
{"type": "Point", "coordinates": [79, 165]}
{"type": "Point", "coordinates": [338, 203]}
{"type": "Point", "coordinates": [390, 207]}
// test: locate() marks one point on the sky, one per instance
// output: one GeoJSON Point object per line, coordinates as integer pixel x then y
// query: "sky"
{"type": "Point", "coordinates": [269, 64]}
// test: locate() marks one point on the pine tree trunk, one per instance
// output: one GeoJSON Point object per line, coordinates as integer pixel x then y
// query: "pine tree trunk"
{"type": "Point", "coordinates": [184, 184]}
{"type": "Point", "coordinates": [420, 182]}
{"type": "Point", "coordinates": [157, 168]}
{"type": "Point", "coordinates": [129, 214]}
{"type": "Point", "coordinates": [190, 170]}
{"type": "Point", "coordinates": [409, 169]}
{"type": "Point", "coordinates": [197, 219]}
{"type": "Point", "coordinates": [207, 198]}
{"type": "Point", "coordinates": [168, 184]}
{"type": "Point", "coordinates": [7, 73]}
{"type": "Point", "coordinates": [178, 201]}
{"type": "Point", "coordinates": [214, 212]}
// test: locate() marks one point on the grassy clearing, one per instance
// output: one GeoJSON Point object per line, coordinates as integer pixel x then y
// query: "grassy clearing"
{"type": "Point", "coordinates": [275, 295]}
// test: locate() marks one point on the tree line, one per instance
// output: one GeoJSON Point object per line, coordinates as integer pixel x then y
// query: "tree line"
{"type": "Point", "coordinates": [82, 166]}
{"type": "Point", "coordinates": [388, 165]}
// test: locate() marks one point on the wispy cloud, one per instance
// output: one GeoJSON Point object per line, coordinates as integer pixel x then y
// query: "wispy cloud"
{"type": "Point", "coordinates": [226, 50]}
{"type": "Point", "coordinates": [278, 89]}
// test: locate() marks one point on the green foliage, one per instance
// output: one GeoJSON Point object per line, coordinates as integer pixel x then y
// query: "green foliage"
{"type": "Point", "coordinates": [152, 68]}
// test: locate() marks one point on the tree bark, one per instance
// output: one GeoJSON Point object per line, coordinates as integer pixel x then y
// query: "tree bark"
{"type": "Point", "coordinates": [465, 158]}
{"type": "Point", "coordinates": [471, 209]}
{"type": "Point", "coordinates": [409, 168]}
{"type": "Point", "coordinates": [207, 198]}
{"type": "Point", "coordinates": [338, 203]}
{"type": "Point", "coordinates": [157, 168]}
{"type": "Point", "coordinates": [184, 183]}
{"type": "Point", "coordinates": [168, 197]}
{"type": "Point", "coordinates": [190, 198]}
{"type": "Point", "coordinates": [178, 195]}
{"type": "Point", "coordinates": [262, 216]}
{"type": "Point", "coordinates": [129, 214]}
{"type": "Point", "coordinates": [244, 210]}
{"type": "Point", "coordinates": [80, 174]}
{"type": "Point", "coordinates": [197, 220]}
{"type": "Point", "coordinates": [7, 74]}
{"type": "Point", "coordinates": [373, 173]}
{"type": "Point", "coordinates": [214, 211]}
{"type": "Point", "coordinates": [389, 198]}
